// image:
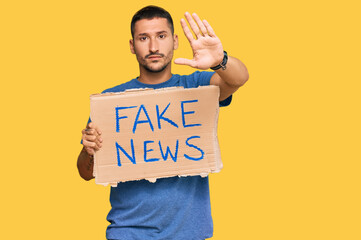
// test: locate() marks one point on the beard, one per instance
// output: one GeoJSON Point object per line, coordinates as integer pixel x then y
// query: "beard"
{"type": "Point", "coordinates": [149, 66]}
{"type": "Point", "coordinates": [155, 70]}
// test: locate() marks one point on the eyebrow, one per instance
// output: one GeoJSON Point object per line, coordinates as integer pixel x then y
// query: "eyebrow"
{"type": "Point", "coordinates": [146, 34]}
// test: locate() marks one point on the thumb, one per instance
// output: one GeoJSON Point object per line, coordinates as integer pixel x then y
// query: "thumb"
{"type": "Point", "coordinates": [185, 61]}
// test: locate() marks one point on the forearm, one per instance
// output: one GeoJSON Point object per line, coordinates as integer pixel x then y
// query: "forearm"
{"type": "Point", "coordinates": [235, 74]}
{"type": "Point", "coordinates": [85, 165]}
{"type": "Point", "coordinates": [230, 79]}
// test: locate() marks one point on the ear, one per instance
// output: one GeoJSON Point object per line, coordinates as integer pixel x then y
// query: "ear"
{"type": "Point", "coordinates": [175, 41]}
{"type": "Point", "coordinates": [131, 44]}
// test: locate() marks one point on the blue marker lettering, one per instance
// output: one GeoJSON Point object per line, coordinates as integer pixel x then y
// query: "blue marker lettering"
{"type": "Point", "coordinates": [137, 121]}
{"type": "Point", "coordinates": [117, 118]}
{"type": "Point", "coordinates": [165, 156]}
{"type": "Point", "coordinates": [193, 146]}
{"type": "Point", "coordinates": [132, 159]}
{"type": "Point", "coordinates": [160, 116]}
{"type": "Point", "coordinates": [189, 112]}
{"type": "Point", "coordinates": [148, 150]}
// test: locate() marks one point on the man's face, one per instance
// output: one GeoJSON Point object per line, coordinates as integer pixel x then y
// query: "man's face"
{"type": "Point", "coordinates": [153, 44]}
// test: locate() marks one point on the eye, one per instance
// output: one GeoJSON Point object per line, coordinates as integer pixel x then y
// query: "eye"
{"type": "Point", "coordinates": [161, 36]}
{"type": "Point", "coordinates": [143, 38]}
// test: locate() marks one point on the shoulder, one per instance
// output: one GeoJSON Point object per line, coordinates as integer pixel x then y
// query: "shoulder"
{"type": "Point", "coordinates": [121, 87]}
{"type": "Point", "coordinates": [200, 75]}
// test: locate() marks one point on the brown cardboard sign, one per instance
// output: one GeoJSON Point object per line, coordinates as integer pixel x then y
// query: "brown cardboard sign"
{"type": "Point", "coordinates": [150, 134]}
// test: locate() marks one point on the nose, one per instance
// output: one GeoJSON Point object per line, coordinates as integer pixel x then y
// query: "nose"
{"type": "Point", "coordinates": [153, 45]}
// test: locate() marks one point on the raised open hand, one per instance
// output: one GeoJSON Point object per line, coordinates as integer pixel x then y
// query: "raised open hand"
{"type": "Point", "coordinates": [207, 48]}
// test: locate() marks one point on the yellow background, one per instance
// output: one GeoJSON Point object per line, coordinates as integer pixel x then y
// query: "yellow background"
{"type": "Point", "coordinates": [290, 141]}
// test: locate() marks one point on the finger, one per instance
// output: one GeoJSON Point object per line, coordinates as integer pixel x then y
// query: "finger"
{"type": "Point", "coordinates": [91, 125]}
{"type": "Point", "coordinates": [186, 30]}
{"type": "Point", "coordinates": [209, 29]}
{"type": "Point", "coordinates": [89, 131]}
{"type": "Point", "coordinates": [92, 138]}
{"type": "Point", "coordinates": [184, 61]}
{"type": "Point", "coordinates": [92, 145]}
{"type": "Point", "coordinates": [192, 24]}
{"type": "Point", "coordinates": [96, 145]}
{"type": "Point", "coordinates": [97, 129]}
{"type": "Point", "coordinates": [200, 24]}
{"type": "Point", "coordinates": [91, 135]}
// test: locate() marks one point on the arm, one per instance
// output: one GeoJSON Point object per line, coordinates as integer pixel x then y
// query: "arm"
{"type": "Point", "coordinates": [91, 143]}
{"type": "Point", "coordinates": [230, 79]}
{"type": "Point", "coordinates": [85, 165]}
{"type": "Point", "coordinates": [208, 52]}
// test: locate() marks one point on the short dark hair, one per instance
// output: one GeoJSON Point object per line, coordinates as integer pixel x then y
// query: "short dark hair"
{"type": "Point", "coordinates": [151, 12]}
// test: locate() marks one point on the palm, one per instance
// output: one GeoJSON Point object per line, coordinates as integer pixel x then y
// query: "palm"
{"type": "Point", "coordinates": [207, 48]}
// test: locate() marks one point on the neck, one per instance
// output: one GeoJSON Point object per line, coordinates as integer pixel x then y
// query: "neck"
{"type": "Point", "coordinates": [154, 78]}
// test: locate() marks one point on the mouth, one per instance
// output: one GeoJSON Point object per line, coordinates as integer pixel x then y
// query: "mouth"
{"type": "Point", "coordinates": [154, 57]}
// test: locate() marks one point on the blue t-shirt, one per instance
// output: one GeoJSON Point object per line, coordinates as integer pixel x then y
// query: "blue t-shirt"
{"type": "Point", "coordinates": [175, 208]}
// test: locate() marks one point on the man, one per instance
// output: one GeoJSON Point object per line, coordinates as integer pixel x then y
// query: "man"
{"type": "Point", "coordinates": [176, 208]}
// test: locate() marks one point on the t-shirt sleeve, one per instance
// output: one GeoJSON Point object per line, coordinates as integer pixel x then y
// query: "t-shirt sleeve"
{"type": "Point", "coordinates": [225, 102]}
{"type": "Point", "coordinates": [204, 79]}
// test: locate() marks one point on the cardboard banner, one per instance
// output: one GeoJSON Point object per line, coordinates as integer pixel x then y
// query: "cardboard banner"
{"type": "Point", "coordinates": [150, 134]}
